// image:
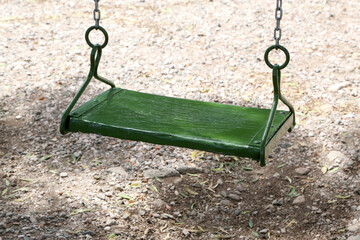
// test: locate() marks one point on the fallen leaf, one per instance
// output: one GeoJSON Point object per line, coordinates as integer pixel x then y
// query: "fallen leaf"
{"type": "Point", "coordinates": [289, 179]}
{"type": "Point", "coordinates": [154, 188]}
{"type": "Point", "coordinates": [157, 179]}
{"type": "Point", "coordinates": [247, 169]}
{"type": "Point", "coordinates": [4, 191]}
{"type": "Point", "coordinates": [122, 195]}
{"type": "Point", "coordinates": [190, 191]}
{"type": "Point", "coordinates": [80, 210]}
{"type": "Point", "coordinates": [343, 197]}
{"type": "Point", "coordinates": [324, 169]}
{"type": "Point", "coordinates": [251, 224]}
{"type": "Point", "coordinates": [46, 157]}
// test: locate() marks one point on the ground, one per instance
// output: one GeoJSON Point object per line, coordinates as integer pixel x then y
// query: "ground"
{"type": "Point", "coordinates": [81, 186]}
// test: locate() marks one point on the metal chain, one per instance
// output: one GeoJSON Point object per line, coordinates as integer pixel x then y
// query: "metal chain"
{"type": "Point", "coordinates": [278, 17]}
{"type": "Point", "coordinates": [97, 14]}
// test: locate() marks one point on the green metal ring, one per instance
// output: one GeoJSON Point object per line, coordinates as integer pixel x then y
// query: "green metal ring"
{"type": "Point", "coordinates": [97, 28]}
{"type": "Point", "coordinates": [287, 54]}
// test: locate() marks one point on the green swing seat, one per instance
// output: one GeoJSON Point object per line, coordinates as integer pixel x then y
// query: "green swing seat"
{"type": "Point", "coordinates": [221, 128]}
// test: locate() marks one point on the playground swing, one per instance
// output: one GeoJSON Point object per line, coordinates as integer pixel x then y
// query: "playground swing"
{"type": "Point", "coordinates": [221, 128]}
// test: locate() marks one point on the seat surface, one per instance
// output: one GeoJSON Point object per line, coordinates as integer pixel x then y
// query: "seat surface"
{"type": "Point", "coordinates": [213, 127]}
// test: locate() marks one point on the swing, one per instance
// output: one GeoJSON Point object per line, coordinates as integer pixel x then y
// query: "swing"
{"type": "Point", "coordinates": [221, 128]}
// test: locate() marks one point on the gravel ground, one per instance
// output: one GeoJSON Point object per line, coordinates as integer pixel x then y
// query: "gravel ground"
{"type": "Point", "coordinates": [91, 187]}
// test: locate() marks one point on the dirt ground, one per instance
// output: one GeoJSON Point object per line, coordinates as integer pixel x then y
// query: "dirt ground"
{"type": "Point", "coordinates": [82, 186]}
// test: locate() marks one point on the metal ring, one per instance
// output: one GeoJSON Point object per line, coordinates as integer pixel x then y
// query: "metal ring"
{"type": "Point", "coordinates": [97, 28]}
{"type": "Point", "coordinates": [287, 55]}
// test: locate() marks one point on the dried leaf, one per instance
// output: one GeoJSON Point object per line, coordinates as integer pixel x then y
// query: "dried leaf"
{"type": "Point", "coordinates": [7, 183]}
{"type": "Point", "coordinates": [324, 169]}
{"type": "Point", "coordinates": [80, 210]}
{"type": "Point", "coordinates": [193, 175]}
{"type": "Point", "coordinates": [289, 179]}
{"type": "Point", "coordinates": [282, 165]}
{"type": "Point", "coordinates": [251, 224]}
{"type": "Point", "coordinates": [333, 170]}
{"type": "Point", "coordinates": [158, 179]}
{"type": "Point", "coordinates": [247, 169]}
{"type": "Point", "coordinates": [291, 223]}
{"type": "Point", "coordinates": [122, 195]}
{"type": "Point", "coordinates": [219, 169]}
{"type": "Point", "coordinates": [192, 206]}
{"type": "Point", "coordinates": [23, 189]}
{"type": "Point", "coordinates": [201, 229]}
{"type": "Point", "coordinates": [154, 188]}
{"type": "Point", "coordinates": [25, 180]}
{"type": "Point", "coordinates": [21, 200]}
{"type": "Point", "coordinates": [136, 184]}
{"type": "Point", "coordinates": [255, 180]}
{"type": "Point", "coordinates": [293, 193]}
{"type": "Point", "coordinates": [46, 157]}
{"type": "Point", "coordinates": [255, 234]}
{"type": "Point", "coordinates": [4, 191]}
{"type": "Point", "coordinates": [192, 192]}
{"type": "Point", "coordinates": [183, 195]}
{"type": "Point", "coordinates": [343, 197]}
{"type": "Point", "coordinates": [111, 236]}
{"type": "Point", "coordinates": [52, 171]}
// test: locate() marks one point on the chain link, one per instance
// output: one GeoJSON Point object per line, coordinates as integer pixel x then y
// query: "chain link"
{"type": "Point", "coordinates": [278, 17]}
{"type": "Point", "coordinates": [97, 14]}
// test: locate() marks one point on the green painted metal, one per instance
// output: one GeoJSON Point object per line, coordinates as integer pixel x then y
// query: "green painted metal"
{"type": "Point", "coordinates": [227, 129]}
{"type": "Point", "coordinates": [222, 128]}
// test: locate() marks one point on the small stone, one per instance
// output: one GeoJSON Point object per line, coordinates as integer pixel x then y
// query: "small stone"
{"type": "Point", "coordinates": [108, 194]}
{"type": "Point", "coordinates": [118, 187]}
{"type": "Point", "coordinates": [159, 204]}
{"type": "Point", "coordinates": [278, 202]}
{"type": "Point", "coordinates": [240, 188]}
{"type": "Point", "coordinates": [117, 232]}
{"type": "Point", "coordinates": [335, 158]}
{"type": "Point", "coordinates": [357, 237]}
{"type": "Point", "coordinates": [119, 170]}
{"type": "Point", "coordinates": [177, 214]}
{"type": "Point", "coordinates": [299, 200]}
{"type": "Point", "coordinates": [18, 117]}
{"type": "Point", "coordinates": [354, 208]}
{"type": "Point", "coordinates": [276, 175]}
{"type": "Point", "coordinates": [142, 213]}
{"type": "Point", "coordinates": [223, 193]}
{"type": "Point", "coordinates": [354, 228]}
{"type": "Point", "coordinates": [338, 86]}
{"type": "Point", "coordinates": [237, 212]}
{"type": "Point", "coordinates": [156, 215]}
{"type": "Point", "coordinates": [110, 223]}
{"type": "Point", "coordinates": [234, 197]}
{"type": "Point", "coordinates": [46, 236]}
{"type": "Point", "coordinates": [97, 177]}
{"type": "Point", "coordinates": [63, 174]}
{"type": "Point", "coordinates": [126, 216]}
{"type": "Point", "coordinates": [225, 202]}
{"type": "Point", "coordinates": [264, 231]}
{"type": "Point", "coordinates": [186, 232]}
{"type": "Point", "coordinates": [302, 171]}
{"type": "Point", "coordinates": [107, 228]}
{"type": "Point", "coordinates": [220, 182]}
{"type": "Point", "coordinates": [163, 173]}
{"type": "Point", "coordinates": [283, 230]}
{"type": "Point", "coordinates": [189, 169]}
